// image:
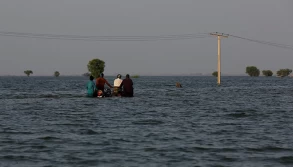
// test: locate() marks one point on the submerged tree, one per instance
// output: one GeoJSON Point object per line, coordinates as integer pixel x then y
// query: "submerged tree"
{"type": "Point", "coordinates": [56, 73]}
{"type": "Point", "coordinates": [28, 72]}
{"type": "Point", "coordinates": [267, 73]}
{"type": "Point", "coordinates": [252, 71]}
{"type": "Point", "coordinates": [284, 72]}
{"type": "Point", "coordinates": [96, 67]}
{"type": "Point", "coordinates": [87, 74]}
{"type": "Point", "coordinates": [215, 73]}
{"type": "Point", "coordinates": [135, 76]}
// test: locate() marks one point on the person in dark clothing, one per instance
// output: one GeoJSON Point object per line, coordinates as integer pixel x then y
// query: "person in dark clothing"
{"type": "Point", "coordinates": [127, 85]}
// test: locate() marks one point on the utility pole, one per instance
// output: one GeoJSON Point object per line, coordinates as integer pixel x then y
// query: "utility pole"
{"type": "Point", "coordinates": [219, 52]}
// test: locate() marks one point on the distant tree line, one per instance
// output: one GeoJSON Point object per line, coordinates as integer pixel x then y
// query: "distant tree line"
{"type": "Point", "coordinates": [29, 72]}
{"type": "Point", "coordinates": [255, 72]}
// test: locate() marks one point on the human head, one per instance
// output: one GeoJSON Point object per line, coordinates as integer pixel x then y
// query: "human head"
{"type": "Point", "coordinates": [102, 74]}
{"type": "Point", "coordinates": [91, 78]}
{"type": "Point", "coordinates": [119, 76]}
{"type": "Point", "coordinates": [100, 93]}
{"type": "Point", "coordinates": [127, 75]}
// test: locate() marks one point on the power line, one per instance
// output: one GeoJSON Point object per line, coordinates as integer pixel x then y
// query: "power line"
{"type": "Point", "coordinates": [105, 38]}
{"type": "Point", "coordinates": [132, 38]}
{"type": "Point", "coordinates": [109, 39]}
{"type": "Point", "coordinates": [284, 46]}
{"type": "Point", "coordinates": [79, 36]}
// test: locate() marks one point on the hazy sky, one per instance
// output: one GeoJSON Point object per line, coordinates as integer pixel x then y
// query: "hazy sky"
{"type": "Point", "coordinates": [268, 20]}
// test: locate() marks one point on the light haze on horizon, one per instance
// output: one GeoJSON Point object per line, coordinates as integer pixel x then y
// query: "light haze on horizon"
{"type": "Point", "coordinates": [267, 20]}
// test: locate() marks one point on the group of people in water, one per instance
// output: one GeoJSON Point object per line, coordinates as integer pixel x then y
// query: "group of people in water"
{"type": "Point", "coordinates": [121, 87]}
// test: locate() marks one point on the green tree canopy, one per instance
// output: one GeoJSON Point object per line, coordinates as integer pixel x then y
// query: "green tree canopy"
{"type": "Point", "coordinates": [56, 73]}
{"type": "Point", "coordinates": [284, 72]}
{"type": "Point", "coordinates": [252, 71]}
{"type": "Point", "coordinates": [28, 72]}
{"type": "Point", "coordinates": [215, 73]}
{"type": "Point", "coordinates": [267, 73]}
{"type": "Point", "coordinates": [96, 67]}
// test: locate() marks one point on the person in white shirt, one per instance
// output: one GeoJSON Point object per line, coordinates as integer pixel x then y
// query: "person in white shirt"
{"type": "Point", "coordinates": [117, 83]}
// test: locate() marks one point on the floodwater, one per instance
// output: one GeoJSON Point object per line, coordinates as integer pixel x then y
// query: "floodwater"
{"type": "Point", "coordinates": [47, 121]}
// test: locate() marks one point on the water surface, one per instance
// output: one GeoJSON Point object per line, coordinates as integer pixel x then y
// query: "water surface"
{"type": "Point", "coordinates": [47, 121]}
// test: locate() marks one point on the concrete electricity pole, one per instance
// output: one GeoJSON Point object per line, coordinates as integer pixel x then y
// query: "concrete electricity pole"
{"type": "Point", "coordinates": [219, 53]}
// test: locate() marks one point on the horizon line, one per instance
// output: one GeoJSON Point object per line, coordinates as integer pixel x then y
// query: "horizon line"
{"type": "Point", "coordinates": [115, 75]}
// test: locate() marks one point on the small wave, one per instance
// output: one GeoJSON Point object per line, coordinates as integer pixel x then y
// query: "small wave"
{"type": "Point", "coordinates": [15, 132]}
{"type": "Point", "coordinates": [243, 113]}
{"type": "Point", "coordinates": [152, 111]}
{"type": "Point", "coordinates": [200, 148]}
{"type": "Point", "coordinates": [49, 96]}
{"type": "Point", "coordinates": [150, 135]}
{"type": "Point", "coordinates": [214, 149]}
{"type": "Point", "coordinates": [173, 138]}
{"type": "Point", "coordinates": [43, 96]}
{"type": "Point", "coordinates": [48, 138]}
{"type": "Point", "coordinates": [69, 124]}
{"type": "Point", "coordinates": [269, 148]}
{"type": "Point", "coordinates": [88, 162]}
{"type": "Point", "coordinates": [149, 149]}
{"type": "Point", "coordinates": [120, 140]}
{"type": "Point", "coordinates": [30, 96]}
{"type": "Point", "coordinates": [91, 132]}
{"type": "Point", "coordinates": [286, 160]}
{"type": "Point", "coordinates": [39, 147]}
{"type": "Point", "coordinates": [238, 115]}
{"type": "Point", "coordinates": [228, 159]}
{"type": "Point", "coordinates": [14, 157]}
{"type": "Point", "coordinates": [148, 122]}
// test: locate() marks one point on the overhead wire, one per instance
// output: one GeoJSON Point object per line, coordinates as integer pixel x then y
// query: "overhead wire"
{"type": "Point", "coordinates": [133, 38]}
{"type": "Point", "coordinates": [105, 38]}
{"type": "Point", "coordinates": [284, 46]}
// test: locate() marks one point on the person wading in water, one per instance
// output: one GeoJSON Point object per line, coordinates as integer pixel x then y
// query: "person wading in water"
{"type": "Point", "coordinates": [117, 83]}
{"type": "Point", "coordinates": [91, 87]}
{"type": "Point", "coordinates": [100, 83]}
{"type": "Point", "coordinates": [127, 85]}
